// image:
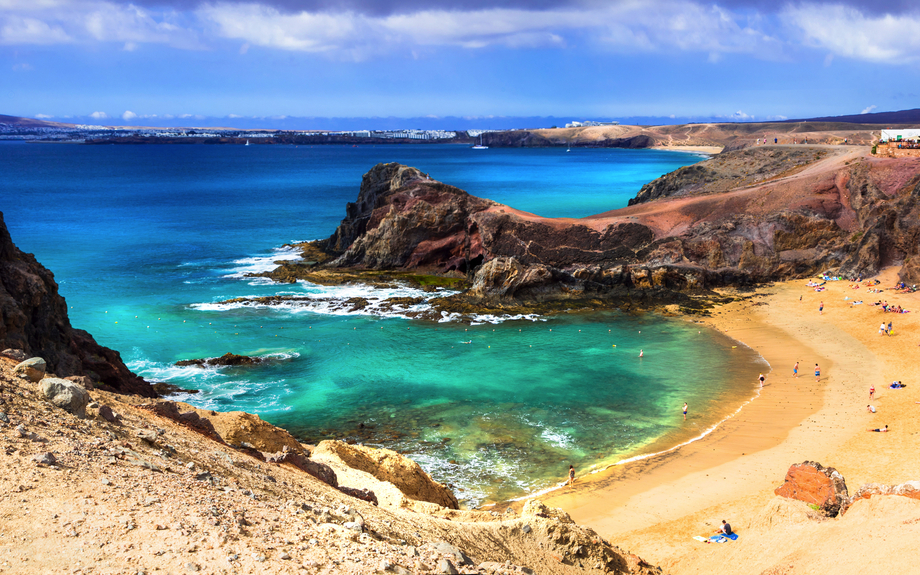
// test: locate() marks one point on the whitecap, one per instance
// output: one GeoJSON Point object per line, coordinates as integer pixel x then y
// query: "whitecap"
{"type": "Point", "coordinates": [261, 264]}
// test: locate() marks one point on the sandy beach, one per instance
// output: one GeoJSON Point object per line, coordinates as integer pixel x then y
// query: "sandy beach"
{"type": "Point", "coordinates": [655, 506]}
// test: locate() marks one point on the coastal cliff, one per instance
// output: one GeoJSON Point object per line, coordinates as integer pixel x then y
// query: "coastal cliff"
{"type": "Point", "coordinates": [33, 319]}
{"type": "Point", "coordinates": [741, 218]}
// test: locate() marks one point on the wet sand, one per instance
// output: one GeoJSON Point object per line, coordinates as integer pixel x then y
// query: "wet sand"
{"type": "Point", "coordinates": [654, 506]}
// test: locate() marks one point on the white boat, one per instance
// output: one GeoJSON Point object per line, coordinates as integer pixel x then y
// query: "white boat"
{"type": "Point", "coordinates": [247, 142]}
{"type": "Point", "coordinates": [480, 146]}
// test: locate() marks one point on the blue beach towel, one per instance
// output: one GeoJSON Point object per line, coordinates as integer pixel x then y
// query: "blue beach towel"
{"type": "Point", "coordinates": [723, 538]}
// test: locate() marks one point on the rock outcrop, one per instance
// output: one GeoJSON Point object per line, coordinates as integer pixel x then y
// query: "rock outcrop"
{"type": "Point", "coordinates": [813, 483]}
{"type": "Point", "coordinates": [388, 466]}
{"type": "Point", "coordinates": [741, 218]}
{"type": "Point", "coordinates": [224, 360]}
{"type": "Point", "coordinates": [33, 318]}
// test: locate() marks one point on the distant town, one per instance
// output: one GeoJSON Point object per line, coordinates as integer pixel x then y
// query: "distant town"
{"type": "Point", "coordinates": [36, 130]}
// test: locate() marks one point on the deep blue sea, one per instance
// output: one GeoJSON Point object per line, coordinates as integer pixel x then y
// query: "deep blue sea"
{"type": "Point", "coordinates": [144, 240]}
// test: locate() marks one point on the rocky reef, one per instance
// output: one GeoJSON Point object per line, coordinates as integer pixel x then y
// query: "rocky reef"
{"type": "Point", "coordinates": [741, 218]}
{"type": "Point", "coordinates": [33, 318]}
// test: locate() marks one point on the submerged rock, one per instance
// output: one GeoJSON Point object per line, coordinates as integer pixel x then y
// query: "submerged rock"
{"type": "Point", "coordinates": [226, 359]}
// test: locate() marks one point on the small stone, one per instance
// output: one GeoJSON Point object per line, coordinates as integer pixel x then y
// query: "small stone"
{"type": "Point", "coordinates": [285, 557]}
{"type": "Point", "coordinates": [33, 369]}
{"type": "Point", "coordinates": [21, 431]}
{"type": "Point", "coordinates": [4, 418]}
{"type": "Point", "coordinates": [385, 565]}
{"type": "Point", "coordinates": [147, 435]}
{"type": "Point", "coordinates": [232, 557]}
{"type": "Point", "coordinates": [203, 476]}
{"type": "Point", "coordinates": [353, 525]}
{"type": "Point", "coordinates": [446, 567]}
{"type": "Point", "coordinates": [45, 459]}
{"type": "Point", "coordinates": [526, 529]}
{"type": "Point", "coordinates": [314, 542]}
{"type": "Point", "coordinates": [15, 354]}
{"type": "Point", "coordinates": [192, 567]}
{"type": "Point", "coordinates": [190, 465]}
{"type": "Point", "coordinates": [106, 413]}
{"type": "Point", "coordinates": [105, 481]}
{"type": "Point", "coordinates": [93, 405]}
{"type": "Point", "coordinates": [259, 557]}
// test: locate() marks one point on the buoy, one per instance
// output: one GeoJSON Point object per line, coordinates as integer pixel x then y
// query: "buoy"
{"type": "Point", "coordinates": [116, 322]}
{"type": "Point", "coordinates": [614, 345]}
{"type": "Point", "coordinates": [734, 346]}
{"type": "Point", "coordinates": [135, 317]}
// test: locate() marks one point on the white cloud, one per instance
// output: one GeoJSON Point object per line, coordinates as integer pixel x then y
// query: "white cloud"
{"type": "Point", "coordinates": [848, 32]}
{"type": "Point", "coordinates": [630, 26]}
{"type": "Point", "coordinates": [99, 115]}
{"type": "Point", "coordinates": [128, 116]}
{"type": "Point", "coordinates": [868, 109]}
{"type": "Point", "coordinates": [19, 30]}
{"type": "Point", "coordinates": [43, 117]}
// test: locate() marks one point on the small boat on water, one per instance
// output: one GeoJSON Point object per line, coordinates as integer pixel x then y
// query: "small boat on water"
{"type": "Point", "coordinates": [247, 142]}
{"type": "Point", "coordinates": [479, 146]}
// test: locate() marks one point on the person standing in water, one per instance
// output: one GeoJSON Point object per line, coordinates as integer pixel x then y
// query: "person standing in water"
{"type": "Point", "coordinates": [640, 353]}
{"type": "Point", "coordinates": [571, 475]}
{"type": "Point", "coordinates": [761, 378]}
{"type": "Point", "coordinates": [685, 411]}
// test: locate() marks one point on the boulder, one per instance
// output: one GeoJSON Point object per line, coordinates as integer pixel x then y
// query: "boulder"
{"type": "Point", "coordinates": [81, 380]}
{"type": "Point", "coordinates": [65, 394]}
{"type": "Point", "coordinates": [15, 354]}
{"type": "Point", "coordinates": [237, 427]}
{"type": "Point", "coordinates": [388, 466]}
{"type": "Point", "coordinates": [34, 369]}
{"type": "Point", "coordinates": [813, 483]}
{"type": "Point", "coordinates": [318, 470]}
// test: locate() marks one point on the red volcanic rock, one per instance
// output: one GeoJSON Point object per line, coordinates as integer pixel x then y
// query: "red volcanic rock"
{"type": "Point", "coordinates": [813, 483]}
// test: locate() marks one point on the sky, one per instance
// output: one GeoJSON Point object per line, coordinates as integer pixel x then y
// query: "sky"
{"type": "Point", "coordinates": [178, 62]}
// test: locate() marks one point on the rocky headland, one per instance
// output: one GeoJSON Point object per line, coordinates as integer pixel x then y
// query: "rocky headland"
{"type": "Point", "coordinates": [741, 218]}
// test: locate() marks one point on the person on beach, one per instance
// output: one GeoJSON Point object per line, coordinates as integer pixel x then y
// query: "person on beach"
{"type": "Point", "coordinates": [870, 408]}
{"type": "Point", "coordinates": [761, 378]}
{"type": "Point", "coordinates": [795, 370]}
{"type": "Point", "coordinates": [879, 430]}
{"type": "Point", "coordinates": [725, 529]}
{"type": "Point", "coordinates": [890, 329]}
{"type": "Point", "coordinates": [821, 308]}
{"type": "Point", "coordinates": [571, 475]}
{"type": "Point", "coordinates": [817, 373]}
{"type": "Point", "coordinates": [882, 329]}
{"type": "Point", "coordinates": [685, 411]}
{"type": "Point", "coordinates": [872, 392]}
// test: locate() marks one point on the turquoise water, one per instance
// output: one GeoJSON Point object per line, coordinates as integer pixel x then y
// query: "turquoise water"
{"type": "Point", "coordinates": [145, 240]}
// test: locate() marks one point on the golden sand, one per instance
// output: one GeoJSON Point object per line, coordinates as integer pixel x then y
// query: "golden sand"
{"type": "Point", "coordinates": [653, 507]}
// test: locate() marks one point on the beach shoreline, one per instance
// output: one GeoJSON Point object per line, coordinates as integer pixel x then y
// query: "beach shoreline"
{"type": "Point", "coordinates": [709, 150]}
{"type": "Point", "coordinates": [735, 468]}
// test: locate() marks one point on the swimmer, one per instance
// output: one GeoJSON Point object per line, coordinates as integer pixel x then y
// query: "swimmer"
{"type": "Point", "coordinates": [641, 353]}
{"type": "Point", "coordinates": [471, 341]}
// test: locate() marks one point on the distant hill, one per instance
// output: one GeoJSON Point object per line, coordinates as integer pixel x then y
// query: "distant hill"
{"type": "Point", "coordinates": [30, 122]}
{"type": "Point", "coordinates": [901, 117]}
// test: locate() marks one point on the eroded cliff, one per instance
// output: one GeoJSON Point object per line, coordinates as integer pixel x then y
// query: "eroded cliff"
{"type": "Point", "coordinates": [33, 318]}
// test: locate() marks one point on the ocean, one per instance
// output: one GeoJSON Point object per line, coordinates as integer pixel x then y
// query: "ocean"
{"type": "Point", "coordinates": [146, 240]}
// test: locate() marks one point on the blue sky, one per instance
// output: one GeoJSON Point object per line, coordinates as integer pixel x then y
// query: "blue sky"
{"type": "Point", "coordinates": [173, 61]}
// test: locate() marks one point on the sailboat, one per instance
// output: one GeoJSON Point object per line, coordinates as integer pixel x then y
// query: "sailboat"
{"type": "Point", "coordinates": [247, 142]}
{"type": "Point", "coordinates": [480, 146]}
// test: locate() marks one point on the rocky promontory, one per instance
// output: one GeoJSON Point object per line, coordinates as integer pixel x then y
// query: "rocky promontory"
{"type": "Point", "coordinates": [741, 218]}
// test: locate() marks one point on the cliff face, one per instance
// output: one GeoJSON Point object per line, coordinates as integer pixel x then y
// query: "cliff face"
{"type": "Point", "coordinates": [742, 217]}
{"type": "Point", "coordinates": [33, 318]}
